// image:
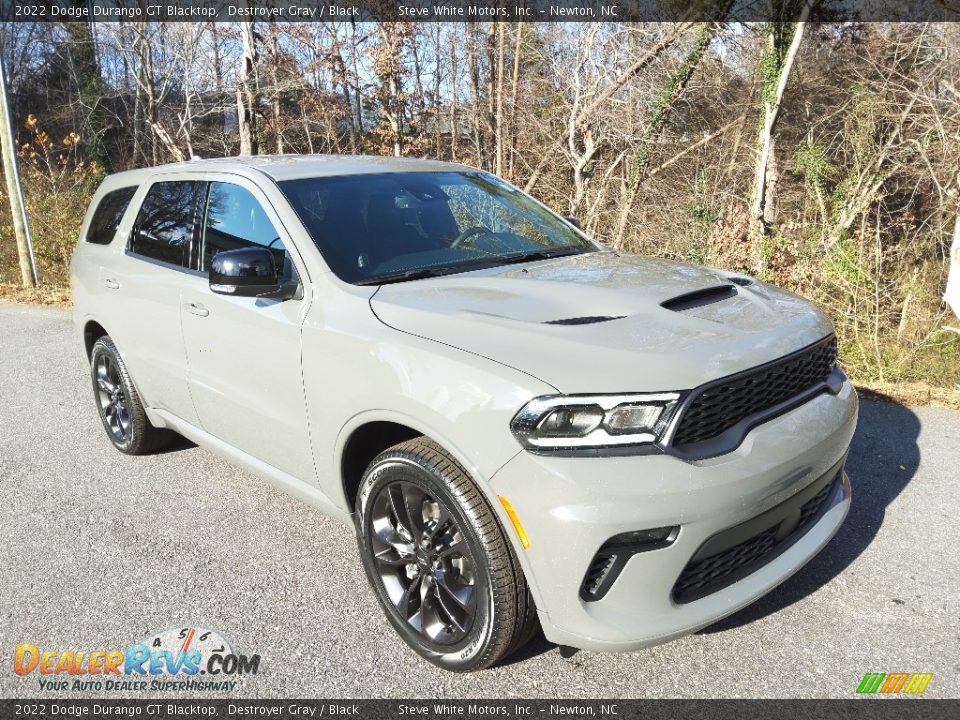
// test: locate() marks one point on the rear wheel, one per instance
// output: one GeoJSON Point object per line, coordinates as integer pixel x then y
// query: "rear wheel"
{"type": "Point", "coordinates": [119, 405]}
{"type": "Point", "coordinates": [438, 560]}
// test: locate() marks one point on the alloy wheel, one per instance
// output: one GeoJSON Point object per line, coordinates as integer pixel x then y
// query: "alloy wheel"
{"type": "Point", "coordinates": [424, 563]}
{"type": "Point", "coordinates": [113, 400]}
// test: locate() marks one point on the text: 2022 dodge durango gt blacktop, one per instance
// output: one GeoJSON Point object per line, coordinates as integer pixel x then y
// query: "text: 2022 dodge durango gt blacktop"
{"type": "Point", "coordinates": [523, 425]}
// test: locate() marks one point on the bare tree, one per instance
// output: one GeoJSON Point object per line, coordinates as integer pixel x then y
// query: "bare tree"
{"type": "Point", "coordinates": [776, 64]}
{"type": "Point", "coordinates": [388, 64]}
{"type": "Point", "coordinates": [247, 92]}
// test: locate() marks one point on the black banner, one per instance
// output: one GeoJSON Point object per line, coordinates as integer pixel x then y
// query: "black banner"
{"type": "Point", "coordinates": [473, 11]}
{"type": "Point", "coordinates": [868, 709]}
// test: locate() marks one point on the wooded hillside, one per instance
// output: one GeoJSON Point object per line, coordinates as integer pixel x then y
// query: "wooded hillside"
{"type": "Point", "coordinates": [824, 158]}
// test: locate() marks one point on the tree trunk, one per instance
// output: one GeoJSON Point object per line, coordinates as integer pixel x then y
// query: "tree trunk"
{"type": "Point", "coordinates": [389, 68]}
{"type": "Point", "coordinates": [952, 294]}
{"type": "Point", "coordinates": [474, 70]}
{"type": "Point", "coordinates": [498, 119]}
{"type": "Point", "coordinates": [761, 211]}
{"type": "Point", "coordinates": [454, 135]}
{"type": "Point", "coordinates": [435, 100]}
{"type": "Point", "coordinates": [341, 77]}
{"type": "Point", "coordinates": [491, 89]}
{"type": "Point", "coordinates": [28, 270]}
{"type": "Point", "coordinates": [139, 154]}
{"type": "Point", "coordinates": [581, 175]}
{"type": "Point", "coordinates": [306, 128]}
{"type": "Point", "coordinates": [357, 107]}
{"type": "Point", "coordinates": [167, 141]}
{"type": "Point", "coordinates": [222, 103]}
{"type": "Point", "coordinates": [146, 84]}
{"type": "Point", "coordinates": [90, 90]}
{"type": "Point", "coordinates": [514, 84]}
{"type": "Point", "coordinates": [420, 99]}
{"type": "Point", "coordinates": [396, 116]}
{"type": "Point", "coordinates": [275, 81]}
{"type": "Point", "coordinates": [246, 93]}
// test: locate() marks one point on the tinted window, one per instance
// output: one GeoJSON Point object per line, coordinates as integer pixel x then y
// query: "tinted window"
{"type": "Point", "coordinates": [386, 226]}
{"type": "Point", "coordinates": [235, 219]}
{"type": "Point", "coordinates": [165, 224]}
{"type": "Point", "coordinates": [108, 214]}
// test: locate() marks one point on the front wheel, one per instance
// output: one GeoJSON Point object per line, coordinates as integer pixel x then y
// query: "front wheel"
{"type": "Point", "coordinates": [438, 560]}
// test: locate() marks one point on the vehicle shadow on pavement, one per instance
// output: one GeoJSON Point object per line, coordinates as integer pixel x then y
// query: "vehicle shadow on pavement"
{"type": "Point", "coordinates": [884, 457]}
{"type": "Point", "coordinates": [538, 645]}
{"type": "Point", "coordinates": [178, 443]}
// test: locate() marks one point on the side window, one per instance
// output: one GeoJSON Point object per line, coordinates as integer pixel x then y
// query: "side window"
{"type": "Point", "coordinates": [103, 224]}
{"type": "Point", "coordinates": [235, 219]}
{"type": "Point", "coordinates": [166, 221]}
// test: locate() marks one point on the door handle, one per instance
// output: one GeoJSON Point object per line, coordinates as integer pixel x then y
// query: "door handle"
{"type": "Point", "coordinates": [196, 309]}
{"type": "Point", "coordinates": [111, 283]}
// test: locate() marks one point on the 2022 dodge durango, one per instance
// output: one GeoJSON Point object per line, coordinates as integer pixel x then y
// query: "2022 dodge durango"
{"type": "Point", "coordinates": [524, 427]}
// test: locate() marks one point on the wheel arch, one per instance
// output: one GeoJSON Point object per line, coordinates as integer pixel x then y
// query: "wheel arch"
{"type": "Point", "coordinates": [92, 331]}
{"type": "Point", "coordinates": [367, 435]}
{"type": "Point", "coordinates": [362, 445]}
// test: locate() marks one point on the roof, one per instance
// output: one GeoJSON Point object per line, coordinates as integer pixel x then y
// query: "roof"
{"type": "Point", "coordinates": [289, 167]}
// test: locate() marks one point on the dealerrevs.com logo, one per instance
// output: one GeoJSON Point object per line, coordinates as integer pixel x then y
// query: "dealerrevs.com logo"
{"type": "Point", "coordinates": [183, 658]}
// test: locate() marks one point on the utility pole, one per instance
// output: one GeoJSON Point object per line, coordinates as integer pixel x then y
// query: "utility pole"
{"type": "Point", "coordinates": [28, 266]}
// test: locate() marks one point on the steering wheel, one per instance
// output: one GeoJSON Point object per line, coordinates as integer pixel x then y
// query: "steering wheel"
{"type": "Point", "coordinates": [469, 233]}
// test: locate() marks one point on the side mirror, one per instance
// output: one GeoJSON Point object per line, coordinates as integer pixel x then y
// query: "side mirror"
{"type": "Point", "coordinates": [245, 272]}
{"type": "Point", "coordinates": [573, 221]}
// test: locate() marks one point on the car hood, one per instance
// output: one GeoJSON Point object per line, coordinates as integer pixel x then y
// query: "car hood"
{"type": "Point", "coordinates": [605, 322]}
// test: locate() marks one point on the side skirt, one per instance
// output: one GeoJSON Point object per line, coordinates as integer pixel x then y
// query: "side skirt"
{"type": "Point", "coordinates": [283, 481]}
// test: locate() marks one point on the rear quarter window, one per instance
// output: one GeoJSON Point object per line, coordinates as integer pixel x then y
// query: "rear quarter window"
{"type": "Point", "coordinates": [107, 216]}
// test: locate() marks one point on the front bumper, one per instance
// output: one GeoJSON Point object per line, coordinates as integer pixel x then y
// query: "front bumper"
{"type": "Point", "coordinates": [571, 506]}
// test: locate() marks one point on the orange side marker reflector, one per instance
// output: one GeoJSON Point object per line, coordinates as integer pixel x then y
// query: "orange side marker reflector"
{"type": "Point", "coordinates": [511, 513]}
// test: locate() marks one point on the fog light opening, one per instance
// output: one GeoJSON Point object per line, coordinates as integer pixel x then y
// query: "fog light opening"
{"type": "Point", "coordinates": [612, 557]}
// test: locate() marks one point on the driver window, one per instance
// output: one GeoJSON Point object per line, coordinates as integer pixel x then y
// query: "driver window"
{"type": "Point", "coordinates": [234, 219]}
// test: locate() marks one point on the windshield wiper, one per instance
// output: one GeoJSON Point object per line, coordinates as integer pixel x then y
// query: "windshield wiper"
{"type": "Point", "coordinates": [417, 274]}
{"type": "Point", "coordinates": [477, 264]}
{"type": "Point", "coordinates": [537, 255]}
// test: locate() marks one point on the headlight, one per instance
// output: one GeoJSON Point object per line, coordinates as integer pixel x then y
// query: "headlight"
{"type": "Point", "coordinates": [569, 422]}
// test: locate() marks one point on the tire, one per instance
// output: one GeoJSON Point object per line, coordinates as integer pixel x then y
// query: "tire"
{"type": "Point", "coordinates": [118, 403]}
{"type": "Point", "coordinates": [468, 559]}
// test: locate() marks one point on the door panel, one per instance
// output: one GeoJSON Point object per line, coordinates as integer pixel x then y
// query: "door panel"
{"type": "Point", "coordinates": [145, 326]}
{"type": "Point", "coordinates": [243, 354]}
{"type": "Point", "coordinates": [143, 282]}
{"type": "Point", "coordinates": [243, 359]}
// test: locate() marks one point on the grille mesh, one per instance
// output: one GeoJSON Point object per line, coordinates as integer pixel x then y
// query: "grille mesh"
{"type": "Point", "coordinates": [721, 405]}
{"type": "Point", "coordinates": [702, 577]}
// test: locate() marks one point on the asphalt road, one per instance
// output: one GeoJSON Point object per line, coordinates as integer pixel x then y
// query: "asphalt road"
{"type": "Point", "coordinates": [98, 550]}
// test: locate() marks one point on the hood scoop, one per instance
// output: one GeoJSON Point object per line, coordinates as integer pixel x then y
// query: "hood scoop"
{"type": "Point", "coordinates": [700, 298]}
{"type": "Point", "coordinates": [586, 320]}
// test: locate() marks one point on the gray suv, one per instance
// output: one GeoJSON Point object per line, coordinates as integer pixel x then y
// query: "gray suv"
{"type": "Point", "coordinates": [526, 428]}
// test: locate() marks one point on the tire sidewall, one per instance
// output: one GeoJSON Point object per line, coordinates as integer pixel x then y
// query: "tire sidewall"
{"type": "Point", "coordinates": [465, 654]}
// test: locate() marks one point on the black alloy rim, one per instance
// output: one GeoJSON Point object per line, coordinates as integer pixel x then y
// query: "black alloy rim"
{"type": "Point", "coordinates": [423, 561]}
{"type": "Point", "coordinates": [113, 401]}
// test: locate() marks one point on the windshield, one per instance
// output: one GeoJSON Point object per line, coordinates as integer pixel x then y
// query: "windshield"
{"type": "Point", "coordinates": [390, 227]}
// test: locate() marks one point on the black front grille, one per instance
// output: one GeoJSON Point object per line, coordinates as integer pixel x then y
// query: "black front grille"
{"type": "Point", "coordinates": [703, 576]}
{"type": "Point", "coordinates": [719, 406]}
